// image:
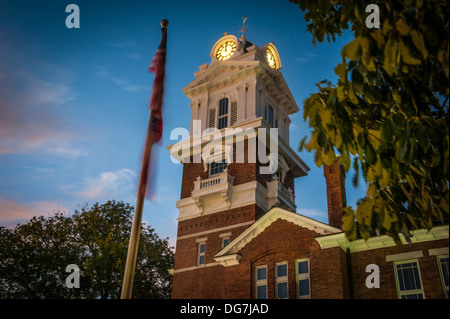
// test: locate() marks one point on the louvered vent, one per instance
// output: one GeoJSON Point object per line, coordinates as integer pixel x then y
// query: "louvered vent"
{"type": "Point", "coordinates": [212, 118]}
{"type": "Point", "coordinates": [233, 117]}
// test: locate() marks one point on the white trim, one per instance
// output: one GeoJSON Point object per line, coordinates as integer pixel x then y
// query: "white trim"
{"type": "Point", "coordinates": [441, 273]}
{"type": "Point", "coordinates": [193, 146]}
{"type": "Point", "coordinates": [304, 276]}
{"type": "Point", "coordinates": [418, 236]}
{"type": "Point", "coordinates": [201, 254]}
{"type": "Point", "coordinates": [281, 279]}
{"type": "Point", "coordinates": [225, 234]}
{"type": "Point", "coordinates": [438, 251]}
{"type": "Point", "coordinates": [223, 239]}
{"type": "Point", "coordinates": [200, 240]}
{"type": "Point", "coordinates": [408, 292]}
{"type": "Point", "coordinates": [216, 230]}
{"type": "Point", "coordinates": [229, 260]}
{"type": "Point", "coordinates": [265, 221]}
{"type": "Point", "coordinates": [195, 267]}
{"type": "Point", "coordinates": [404, 256]}
{"type": "Point", "coordinates": [261, 282]}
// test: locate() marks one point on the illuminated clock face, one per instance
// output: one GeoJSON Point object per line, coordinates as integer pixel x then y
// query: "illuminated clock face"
{"type": "Point", "coordinates": [270, 56]}
{"type": "Point", "coordinates": [226, 50]}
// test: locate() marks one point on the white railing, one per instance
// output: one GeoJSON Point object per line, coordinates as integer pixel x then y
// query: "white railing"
{"type": "Point", "coordinates": [287, 192]}
{"type": "Point", "coordinates": [218, 179]}
{"type": "Point", "coordinates": [276, 188]}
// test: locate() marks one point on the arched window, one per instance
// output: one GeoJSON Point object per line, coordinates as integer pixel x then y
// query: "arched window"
{"type": "Point", "coordinates": [223, 113]}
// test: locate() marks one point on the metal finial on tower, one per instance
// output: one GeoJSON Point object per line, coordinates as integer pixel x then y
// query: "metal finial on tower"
{"type": "Point", "coordinates": [243, 29]}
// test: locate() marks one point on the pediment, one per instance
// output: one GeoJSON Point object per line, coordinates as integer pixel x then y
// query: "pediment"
{"type": "Point", "coordinates": [228, 255]}
{"type": "Point", "coordinates": [221, 74]}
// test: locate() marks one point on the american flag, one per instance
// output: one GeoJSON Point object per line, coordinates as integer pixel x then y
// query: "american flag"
{"type": "Point", "coordinates": [154, 134]}
{"type": "Point", "coordinates": [158, 66]}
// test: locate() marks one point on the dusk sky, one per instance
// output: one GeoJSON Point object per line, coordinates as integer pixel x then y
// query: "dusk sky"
{"type": "Point", "coordinates": [74, 102]}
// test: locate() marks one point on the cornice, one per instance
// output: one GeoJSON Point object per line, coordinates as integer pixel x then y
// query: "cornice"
{"type": "Point", "coordinates": [418, 236]}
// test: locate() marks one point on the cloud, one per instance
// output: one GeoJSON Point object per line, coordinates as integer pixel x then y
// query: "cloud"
{"type": "Point", "coordinates": [30, 119]}
{"type": "Point", "coordinates": [13, 213]}
{"type": "Point", "coordinates": [108, 184]}
{"type": "Point", "coordinates": [313, 213]}
{"type": "Point", "coordinates": [32, 104]}
{"type": "Point", "coordinates": [127, 86]}
{"type": "Point", "coordinates": [66, 151]}
{"type": "Point", "coordinates": [306, 58]}
{"type": "Point", "coordinates": [124, 84]}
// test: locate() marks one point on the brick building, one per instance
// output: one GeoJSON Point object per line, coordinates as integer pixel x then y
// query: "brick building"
{"type": "Point", "coordinates": [239, 235]}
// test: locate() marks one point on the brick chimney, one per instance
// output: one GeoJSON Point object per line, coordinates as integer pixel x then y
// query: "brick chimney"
{"type": "Point", "coordinates": [335, 178]}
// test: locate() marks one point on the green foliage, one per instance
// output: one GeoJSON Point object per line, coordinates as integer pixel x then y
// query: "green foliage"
{"type": "Point", "coordinates": [388, 111]}
{"type": "Point", "coordinates": [34, 256]}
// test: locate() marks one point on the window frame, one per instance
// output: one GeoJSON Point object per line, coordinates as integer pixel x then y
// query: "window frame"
{"type": "Point", "coordinates": [441, 274]}
{"type": "Point", "coordinates": [302, 276]}
{"type": "Point", "coordinates": [270, 115]}
{"type": "Point", "coordinates": [222, 242]}
{"type": "Point", "coordinates": [406, 293]}
{"type": "Point", "coordinates": [261, 282]}
{"type": "Point", "coordinates": [201, 254]}
{"type": "Point", "coordinates": [225, 115]}
{"type": "Point", "coordinates": [224, 165]}
{"type": "Point", "coordinates": [281, 279]}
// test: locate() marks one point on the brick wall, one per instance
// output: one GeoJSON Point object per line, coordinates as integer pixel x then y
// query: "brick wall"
{"type": "Point", "coordinates": [428, 266]}
{"type": "Point", "coordinates": [281, 241]}
{"type": "Point", "coordinates": [186, 249]}
{"type": "Point", "coordinates": [336, 198]}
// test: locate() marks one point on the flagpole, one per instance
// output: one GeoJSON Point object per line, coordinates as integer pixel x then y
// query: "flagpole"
{"type": "Point", "coordinates": [150, 139]}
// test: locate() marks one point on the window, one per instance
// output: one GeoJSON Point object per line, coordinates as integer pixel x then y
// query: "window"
{"type": "Point", "coordinates": [281, 280]}
{"type": "Point", "coordinates": [443, 271]}
{"type": "Point", "coordinates": [261, 282]}
{"type": "Point", "coordinates": [217, 168]}
{"type": "Point", "coordinates": [302, 278]}
{"type": "Point", "coordinates": [201, 247]}
{"type": "Point", "coordinates": [407, 277]}
{"type": "Point", "coordinates": [223, 113]}
{"type": "Point", "coordinates": [225, 241]}
{"type": "Point", "coordinates": [269, 117]}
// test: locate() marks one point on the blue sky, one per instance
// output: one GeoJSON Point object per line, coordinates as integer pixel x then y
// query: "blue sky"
{"type": "Point", "coordinates": [74, 102]}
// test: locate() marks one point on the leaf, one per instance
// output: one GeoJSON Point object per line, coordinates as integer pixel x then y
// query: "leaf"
{"type": "Point", "coordinates": [350, 50]}
{"type": "Point", "coordinates": [417, 171]}
{"type": "Point", "coordinates": [326, 115]}
{"type": "Point", "coordinates": [340, 69]}
{"type": "Point", "coordinates": [374, 137]}
{"type": "Point", "coordinates": [370, 154]}
{"type": "Point", "coordinates": [388, 219]}
{"type": "Point", "coordinates": [402, 27]}
{"type": "Point", "coordinates": [388, 130]}
{"type": "Point", "coordinates": [357, 81]}
{"type": "Point", "coordinates": [348, 223]}
{"type": "Point", "coordinates": [302, 143]}
{"type": "Point", "coordinates": [345, 160]}
{"type": "Point", "coordinates": [364, 212]}
{"type": "Point", "coordinates": [407, 56]}
{"type": "Point", "coordinates": [419, 43]}
{"type": "Point", "coordinates": [355, 179]}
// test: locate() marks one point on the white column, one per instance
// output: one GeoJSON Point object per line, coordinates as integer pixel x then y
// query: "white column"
{"type": "Point", "coordinates": [241, 102]}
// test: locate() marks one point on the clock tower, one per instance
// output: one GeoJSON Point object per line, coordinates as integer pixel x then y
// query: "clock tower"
{"type": "Point", "coordinates": [237, 162]}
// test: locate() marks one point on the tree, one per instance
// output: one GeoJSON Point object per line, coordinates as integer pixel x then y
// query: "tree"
{"type": "Point", "coordinates": [34, 256]}
{"type": "Point", "coordinates": [387, 115]}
